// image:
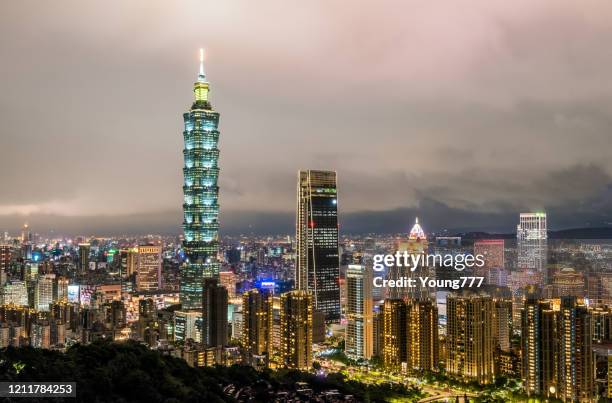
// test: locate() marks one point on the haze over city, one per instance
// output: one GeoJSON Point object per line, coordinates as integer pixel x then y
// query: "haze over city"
{"type": "Point", "coordinates": [464, 114]}
{"type": "Point", "coordinates": [325, 201]}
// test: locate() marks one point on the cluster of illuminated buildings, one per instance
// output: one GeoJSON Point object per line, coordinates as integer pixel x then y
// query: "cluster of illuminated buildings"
{"type": "Point", "coordinates": [266, 302]}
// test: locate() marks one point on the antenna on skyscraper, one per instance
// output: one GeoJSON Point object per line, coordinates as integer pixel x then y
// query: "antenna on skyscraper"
{"type": "Point", "coordinates": [201, 62]}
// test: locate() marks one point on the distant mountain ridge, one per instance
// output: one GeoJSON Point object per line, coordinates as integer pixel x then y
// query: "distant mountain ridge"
{"type": "Point", "coordinates": [571, 233]}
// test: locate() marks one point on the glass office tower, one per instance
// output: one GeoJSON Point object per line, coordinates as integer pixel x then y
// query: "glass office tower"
{"type": "Point", "coordinates": [532, 236]}
{"type": "Point", "coordinates": [317, 266]}
{"type": "Point", "coordinates": [200, 190]}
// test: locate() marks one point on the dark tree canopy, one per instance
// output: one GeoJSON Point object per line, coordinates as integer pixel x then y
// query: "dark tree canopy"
{"type": "Point", "coordinates": [130, 372]}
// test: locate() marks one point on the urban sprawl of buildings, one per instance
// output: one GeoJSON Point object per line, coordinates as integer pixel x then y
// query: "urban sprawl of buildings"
{"type": "Point", "coordinates": [541, 317]}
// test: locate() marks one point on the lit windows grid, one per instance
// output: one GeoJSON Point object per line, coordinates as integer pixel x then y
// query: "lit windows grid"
{"type": "Point", "coordinates": [317, 240]}
{"type": "Point", "coordinates": [200, 203]}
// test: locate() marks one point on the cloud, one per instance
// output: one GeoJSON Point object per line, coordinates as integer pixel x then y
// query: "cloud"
{"type": "Point", "coordinates": [434, 215]}
{"type": "Point", "coordinates": [484, 106]}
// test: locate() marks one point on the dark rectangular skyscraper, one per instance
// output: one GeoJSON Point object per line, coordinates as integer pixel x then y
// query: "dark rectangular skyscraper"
{"type": "Point", "coordinates": [84, 250]}
{"type": "Point", "coordinates": [317, 266]}
{"type": "Point", "coordinates": [214, 314]}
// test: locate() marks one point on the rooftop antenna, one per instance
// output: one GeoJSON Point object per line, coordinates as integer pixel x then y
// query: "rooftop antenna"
{"type": "Point", "coordinates": [202, 62]}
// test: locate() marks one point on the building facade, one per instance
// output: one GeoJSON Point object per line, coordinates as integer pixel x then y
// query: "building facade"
{"type": "Point", "coordinates": [43, 292]}
{"type": "Point", "coordinates": [149, 268]}
{"type": "Point", "coordinates": [575, 352]}
{"type": "Point", "coordinates": [469, 345]}
{"type": "Point", "coordinates": [84, 250]}
{"type": "Point", "coordinates": [539, 348]}
{"type": "Point", "coordinates": [317, 265]}
{"type": "Point", "coordinates": [214, 314]}
{"type": "Point", "coordinates": [296, 329]}
{"type": "Point", "coordinates": [423, 340]}
{"type": "Point", "coordinates": [359, 341]}
{"type": "Point", "coordinates": [532, 241]}
{"type": "Point", "coordinates": [255, 325]}
{"type": "Point", "coordinates": [492, 251]}
{"type": "Point", "coordinates": [394, 334]}
{"type": "Point", "coordinates": [201, 194]}
{"type": "Point", "coordinates": [187, 326]}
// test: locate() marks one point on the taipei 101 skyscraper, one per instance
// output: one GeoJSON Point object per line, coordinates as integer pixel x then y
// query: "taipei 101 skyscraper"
{"type": "Point", "coordinates": [201, 193]}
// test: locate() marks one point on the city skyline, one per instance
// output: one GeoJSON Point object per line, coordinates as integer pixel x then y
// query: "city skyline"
{"type": "Point", "coordinates": [448, 236]}
{"type": "Point", "coordinates": [443, 136]}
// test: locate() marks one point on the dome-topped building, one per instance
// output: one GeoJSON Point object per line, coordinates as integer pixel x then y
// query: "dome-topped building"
{"type": "Point", "coordinates": [415, 243]}
{"type": "Point", "coordinates": [417, 233]}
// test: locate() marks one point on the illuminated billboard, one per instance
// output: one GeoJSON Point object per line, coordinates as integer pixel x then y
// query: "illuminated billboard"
{"type": "Point", "coordinates": [73, 293]}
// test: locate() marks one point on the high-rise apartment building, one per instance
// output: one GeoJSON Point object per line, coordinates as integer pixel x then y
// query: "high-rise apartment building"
{"type": "Point", "coordinates": [84, 250]}
{"type": "Point", "coordinates": [539, 348]}
{"type": "Point", "coordinates": [43, 292]}
{"type": "Point", "coordinates": [575, 353]}
{"type": "Point", "coordinates": [557, 349]}
{"type": "Point", "coordinates": [502, 323]}
{"type": "Point", "coordinates": [377, 326]}
{"type": "Point", "coordinates": [359, 312]}
{"type": "Point", "coordinates": [317, 266]}
{"type": "Point", "coordinates": [469, 345]}
{"type": "Point", "coordinates": [274, 328]}
{"type": "Point", "coordinates": [410, 335]}
{"type": "Point", "coordinates": [394, 333]}
{"type": "Point", "coordinates": [201, 193]}
{"type": "Point", "coordinates": [422, 335]}
{"type": "Point", "coordinates": [214, 314]}
{"type": "Point", "coordinates": [129, 261]}
{"type": "Point", "coordinates": [5, 262]}
{"type": "Point", "coordinates": [149, 268]}
{"type": "Point", "coordinates": [255, 325]}
{"type": "Point", "coordinates": [296, 329]}
{"type": "Point", "coordinates": [62, 288]}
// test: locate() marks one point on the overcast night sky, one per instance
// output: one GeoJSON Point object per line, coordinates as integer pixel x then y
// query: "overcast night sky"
{"type": "Point", "coordinates": [463, 112]}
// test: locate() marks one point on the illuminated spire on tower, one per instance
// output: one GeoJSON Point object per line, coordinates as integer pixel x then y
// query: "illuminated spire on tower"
{"type": "Point", "coordinates": [200, 87]}
{"type": "Point", "coordinates": [201, 76]}
{"type": "Point", "coordinates": [200, 192]}
{"type": "Point", "coordinates": [417, 233]}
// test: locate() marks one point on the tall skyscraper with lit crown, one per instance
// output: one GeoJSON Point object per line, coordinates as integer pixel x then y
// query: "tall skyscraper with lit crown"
{"type": "Point", "coordinates": [415, 243]}
{"type": "Point", "coordinates": [200, 191]}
